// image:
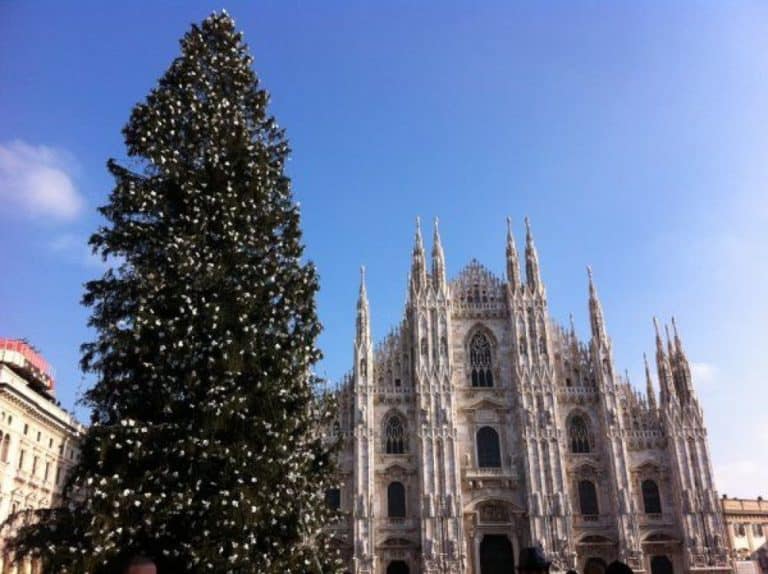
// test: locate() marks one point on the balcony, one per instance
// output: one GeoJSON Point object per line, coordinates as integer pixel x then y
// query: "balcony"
{"type": "Point", "coordinates": [478, 477]}
{"type": "Point", "coordinates": [396, 523]}
{"type": "Point", "coordinates": [591, 520]}
{"type": "Point", "coordinates": [655, 519]}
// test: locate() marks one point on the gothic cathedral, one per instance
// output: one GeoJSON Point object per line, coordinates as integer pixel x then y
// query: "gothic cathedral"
{"type": "Point", "coordinates": [479, 427]}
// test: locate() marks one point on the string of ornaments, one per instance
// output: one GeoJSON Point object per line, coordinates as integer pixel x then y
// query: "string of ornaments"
{"type": "Point", "coordinates": [206, 449]}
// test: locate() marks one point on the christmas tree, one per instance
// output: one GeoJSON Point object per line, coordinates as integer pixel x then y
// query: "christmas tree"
{"type": "Point", "coordinates": [205, 450]}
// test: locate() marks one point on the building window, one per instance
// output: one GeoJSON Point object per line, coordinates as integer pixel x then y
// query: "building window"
{"type": "Point", "coordinates": [396, 500]}
{"type": "Point", "coordinates": [39, 436]}
{"type": "Point", "coordinates": [488, 451]}
{"type": "Point", "coordinates": [47, 471]}
{"type": "Point", "coordinates": [50, 443]}
{"type": "Point", "coordinates": [58, 474]}
{"type": "Point", "coordinates": [21, 459]}
{"type": "Point", "coordinates": [588, 498]}
{"type": "Point", "coordinates": [333, 498]}
{"type": "Point", "coordinates": [741, 530]}
{"type": "Point", "coordinates": [394, 436]}
{"type": "Point", "coordinates": [480, 361]}
{"type": "Point", "coordinates": [651, 497]}
{"type": "Point", "coordinates": [26, 429]}
{"type": "Point", "coordinates": [578, 434]}
{"type": "Point", "coordinates": [6, 447]}
{"type": "Point", "coordinates": [34, 466]}
{"type": "Point", "coordinates": [757, 530]}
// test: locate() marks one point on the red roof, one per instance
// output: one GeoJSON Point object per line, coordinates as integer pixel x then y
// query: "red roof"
{"type": "Point", "coordinates": [32, 359]}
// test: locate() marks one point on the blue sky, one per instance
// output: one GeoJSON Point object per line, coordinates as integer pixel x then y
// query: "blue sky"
{"type": "Point", "coordinates": [632, 134]}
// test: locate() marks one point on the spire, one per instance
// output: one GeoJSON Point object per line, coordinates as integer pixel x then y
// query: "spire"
{"type": "Point", "coordinates": [532, 272]}
{"type": "Point", "coordinates": [662, 366]}
{"type": "Point", "coordinates": [659, 346]}
{"type": "Point", "coordinates": [649, 384]}
{"type": "Point", "coordinates": [438, 259]}
{"type": "Point", "coordinates": [678, 343]}
{"type": "Point", "coordinates": [670, 349]}
{"type": "Point", "coordinates": [418, 265]}
{"type": "Point", "coordinates": [596, 312]}
{"type": "Point", "coordinates": [363, 334]}
{"type": "Point", "coordinates": [682, 367]}
{"type": "Point", "coordinates": [513, 263]}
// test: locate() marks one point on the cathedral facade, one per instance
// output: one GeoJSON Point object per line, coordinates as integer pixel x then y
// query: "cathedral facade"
{"type": "Point", "coordinates": [479, 427]}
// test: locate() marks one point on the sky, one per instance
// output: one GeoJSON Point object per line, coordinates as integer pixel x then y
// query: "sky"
{"type": "Point", "coordinates": [634, 136]}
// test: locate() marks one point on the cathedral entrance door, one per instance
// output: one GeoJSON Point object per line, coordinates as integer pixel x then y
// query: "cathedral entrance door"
{"type": "Point", "coordinates": [398, 567]}
{"type": "Point", "coordinates": [661, 565]}
{"type": "Point", "coordinates": [595, 566]}
{"type": "Point", "coordinates": [496, 555]}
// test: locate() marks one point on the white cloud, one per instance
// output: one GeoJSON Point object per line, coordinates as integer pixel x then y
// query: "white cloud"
{"type": "Point", "coordinates": [75, 249]}
{"type": "Point", "coordinates": [37, 180]}
{"type": "Point", "coordinates": [703, 373]}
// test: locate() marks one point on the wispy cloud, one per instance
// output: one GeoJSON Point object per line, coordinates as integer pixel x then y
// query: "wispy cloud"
{"type": "Point", "coordinates": [75, 249]}
{"type": "Point", "coordinates": [38, 181]}
{"type": "Point", "coordinates": [703, 373]}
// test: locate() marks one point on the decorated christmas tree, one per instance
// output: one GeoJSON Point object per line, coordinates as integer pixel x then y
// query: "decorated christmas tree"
{"type": "Point", "coordinates": [205, 450]}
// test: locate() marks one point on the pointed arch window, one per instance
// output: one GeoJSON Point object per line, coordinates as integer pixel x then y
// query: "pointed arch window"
{"type": "Point", "coordinates": [396, 500]}
{"type": "Point", "coordinates": [578, 435]}
{"type": "Point", "coordinates": [488, 450]}
{"type": "Point", "coordinates": [651, 497]}
{"type": "Point", "coordinates": [588, 498]}
{"type": "Point", "coordinates": [394, 435]}
{"type": "Point", "coordinates": [480, 360]}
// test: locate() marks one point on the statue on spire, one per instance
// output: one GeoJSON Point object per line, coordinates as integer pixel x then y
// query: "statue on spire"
{"type": "Point", "coordinates": [649, 384]}
{"type": "Point", "coordinates": [597, 321]}
{"type": "Point", "coordinates": [513, 263]}
{"type": "Point", "coordinates": [363, 332]}
{"type": "Point", "coordinates": [666, 391]}
{"type": "Point", "coordinates": [532, 272]}
{"type": "Point", "coordinates": [418, 262]}
{"type": "Point", "coordinates": [438, 259]}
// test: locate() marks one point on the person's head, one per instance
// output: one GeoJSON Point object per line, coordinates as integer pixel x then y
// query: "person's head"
{"type": "Point", "coordinates": [140, 565]}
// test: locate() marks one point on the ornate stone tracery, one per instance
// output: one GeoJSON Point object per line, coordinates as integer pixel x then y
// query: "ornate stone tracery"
{"type": "Point", "coordinates": [478, 353]}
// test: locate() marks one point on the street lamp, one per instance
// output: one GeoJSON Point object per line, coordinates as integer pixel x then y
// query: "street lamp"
{"type": "Point", "coordinates": [532, 561]}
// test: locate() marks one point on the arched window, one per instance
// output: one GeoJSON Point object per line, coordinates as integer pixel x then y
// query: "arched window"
{"type": "Point", "coordinates": [480, 360]}
{"type": "Point", "coordinates": [394, 436]}
{"type": "Point", "coordinates": [578, 434]}
{"type": "Point", "coordinates": [588, 498]}
{"type": "Point", "coordinates": [651, 497]}
{"type": "Point", "coordinates": [396, 500]}
{"type": "Point", "coordinates": [6, 443]}
{"type": "Point", "coordinates": [488, 451]}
